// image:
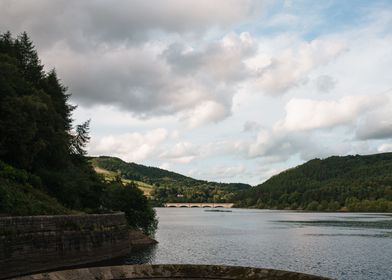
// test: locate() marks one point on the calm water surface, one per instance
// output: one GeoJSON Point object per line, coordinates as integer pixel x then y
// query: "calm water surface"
{"type": "Point", "coordinates": [339, 245]}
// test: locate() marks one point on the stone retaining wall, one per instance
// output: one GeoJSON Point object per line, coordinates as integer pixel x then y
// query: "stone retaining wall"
{"type": "Point", "coordinates": [173, 272]}
{"type": "Point", "coordinates": [36, 243]}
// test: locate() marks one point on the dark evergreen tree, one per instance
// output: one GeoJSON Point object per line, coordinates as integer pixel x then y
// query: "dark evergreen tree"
{"type": "Point", "coordinates": [28, 59]}
{"type": "Point", "coordinates": [80, 139]}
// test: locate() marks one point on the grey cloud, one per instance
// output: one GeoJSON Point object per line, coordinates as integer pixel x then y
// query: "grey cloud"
{"type": "Point", "coordinates": [146, 79]}
{"type": "Point", "coordinates": [325, 83]}
{"type": "Point", "coordinates": [93, 22]}
{"type": "Point", "coordinates": [381, 131]}
{"type": "Point", "coordinates": [117, 52]}
{"type": "Point", "coordinates": [377, 125]}
{"type": "Point", "coordinates": [131, 79]}
{"type": "Point", "coordinates": [220, 61]}
{"type": "Point", "coordinates": [251, 126]}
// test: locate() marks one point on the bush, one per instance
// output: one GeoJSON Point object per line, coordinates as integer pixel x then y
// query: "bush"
{"type": "Point", "coordinates": [313, 206]}
{"type": "Point", "coordinates": [19, 197]}
{"type": "Point", "coordinates": [130, 200]}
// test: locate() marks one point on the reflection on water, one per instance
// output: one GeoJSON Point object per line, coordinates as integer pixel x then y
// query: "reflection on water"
{"type": "Point", "coordinates": [379, 224]}
{"type": "Point", "coordinates": [142, 256]}
{"type": "Point", "coordinates": [340, 245]}
{"type": "Point", "coordinates": [380, 235]}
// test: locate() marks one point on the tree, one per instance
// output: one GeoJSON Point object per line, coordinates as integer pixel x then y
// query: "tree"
{"type": "Point", "coordinates": [133, 203]}
{"type": "Point", "coordinates": [28, 59]}
{"type": "Point", "coordinates": [80, 139]}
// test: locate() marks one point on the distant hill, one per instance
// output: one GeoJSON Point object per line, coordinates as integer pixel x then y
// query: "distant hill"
{"type": "Point", "coordinates": [353, 183]}
{"type": "Point", "coordinates": [164, 185]}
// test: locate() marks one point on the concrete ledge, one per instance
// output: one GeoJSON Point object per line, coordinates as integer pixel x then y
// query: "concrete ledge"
{"type": "Point", "coordinates": [139, 240]}
{"type": "Point", "coordinates": [172, 271]}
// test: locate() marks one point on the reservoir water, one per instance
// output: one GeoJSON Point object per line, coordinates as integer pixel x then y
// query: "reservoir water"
{"type": "Point", "coordinates": [340, 245]}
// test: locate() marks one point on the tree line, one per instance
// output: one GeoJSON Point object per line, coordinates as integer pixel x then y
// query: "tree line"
{"type": "Point", "coordinates": [350, 183]}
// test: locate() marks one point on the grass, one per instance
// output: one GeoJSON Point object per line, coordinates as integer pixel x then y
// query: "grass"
{"type": "Point", "coordinates": [110, 176]}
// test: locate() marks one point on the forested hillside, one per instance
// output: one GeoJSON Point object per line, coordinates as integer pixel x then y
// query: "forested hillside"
{"type": "Point", "coordinates": [43, 168]}
{"type": "Point", "coordinates": [169, 186]}
{"type": "Point", "coordinates": [353, 183]}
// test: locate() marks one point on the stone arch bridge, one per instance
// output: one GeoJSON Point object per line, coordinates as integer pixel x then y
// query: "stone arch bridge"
{"type": "Point", "coordinates": [199, 205]}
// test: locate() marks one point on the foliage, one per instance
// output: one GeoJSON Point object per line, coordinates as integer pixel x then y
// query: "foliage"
{"type": "Point", "coordinates": [133, 203]}
{"type": "Point", "coordinates": [49, 172]}
{"type": "Point", "coordinates": [170, 186]}
{"type": "Point", "coordinates": [20, 194]}
{"type": "Point", "coordinates": [353, 183]}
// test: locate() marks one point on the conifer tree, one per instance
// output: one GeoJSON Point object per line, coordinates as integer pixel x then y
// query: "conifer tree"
{"type": "Point", "coordinates": [80, 139]}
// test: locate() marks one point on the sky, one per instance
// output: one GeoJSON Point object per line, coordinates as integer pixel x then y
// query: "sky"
{"type": "Point", "coordinates": [221, 90]}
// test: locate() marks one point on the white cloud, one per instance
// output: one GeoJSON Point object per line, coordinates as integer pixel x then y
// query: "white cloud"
{"type": "Point", "coordinates": [220, 172]}
{"type": "Point", "coordinates": [300, 131]}
{"type": "Point", "coordinates": [384, 148]}
{"type": "Point", "coordinates": [134, 146]}
{"type": "Point", "coordinates": [292, 66]}
{"type": "Point", "coordinates": [207, 112]}
{"type": "Point", "coordinates": [307, 114]}
{"type": "Point", "coordinates": [182, 152]}
{"type": "Point", "coordinates": [165, 165]}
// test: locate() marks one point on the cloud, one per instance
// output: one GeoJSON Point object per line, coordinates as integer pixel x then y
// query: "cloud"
{"type": "Point", "coordinates": [307, 114]}
{"type": "Point", "coordinates": [181, 152]}
{"type": "Point", "coordinates": [377, 125]}
{"type": "Point", "coordinates": [133, 56]}
{"type": "Point", "coordinates": [292, 66]}
{"type": "Point", "coordinates": [221, 172]}
{"type": "Point", "coordinates": [217, 62]}
{"type": "Point", "coordinates": [325, 83]}
{"type": "Point", "coordinates": [280, 146]}
{"type": "Point", "coordinates": [385, 148]}
{"type": "Point", "coordinates": [157, 79]}
{"type": "Point", "coordinates": [269, 143]}
{"type": "Point", "coordinates": [133, 79]}
{"type": "Point", "coordinates": [166, 166]}
{"type": "Point", "coordinates": [250, 126]}
{"type": "Point", "coordinates": [301, 130]}
{"type": "Point", "coordinates": [207, 112]}
{"type": "Point", "coordinates": [134, 146]}
{"type": "Point", "coordinates": [83, 24]}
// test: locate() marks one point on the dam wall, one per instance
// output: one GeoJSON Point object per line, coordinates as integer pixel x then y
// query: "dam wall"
{"type": "Point", "coordinates": [31, 244]}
